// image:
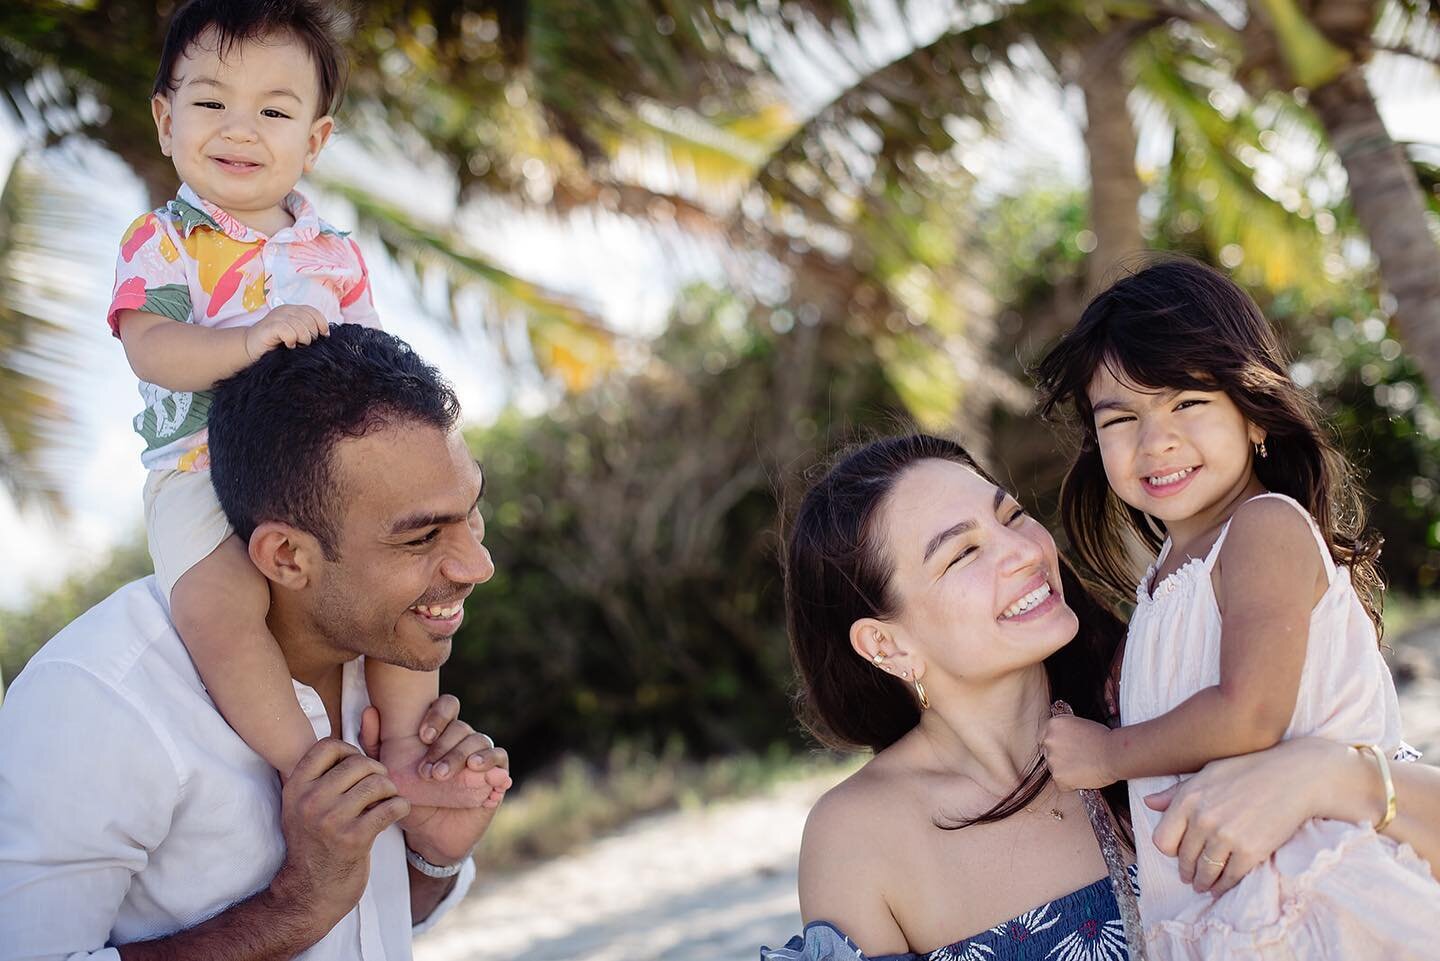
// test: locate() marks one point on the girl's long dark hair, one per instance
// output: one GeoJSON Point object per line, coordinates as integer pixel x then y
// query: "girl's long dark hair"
{"type": "Point", "coordinates": [836, 573]}
{"type": "Point", "coordinates": [1177, 324]}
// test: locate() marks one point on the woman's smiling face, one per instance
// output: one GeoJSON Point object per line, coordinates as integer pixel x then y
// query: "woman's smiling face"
{"type": "Point", "coordinates": [977, 579]}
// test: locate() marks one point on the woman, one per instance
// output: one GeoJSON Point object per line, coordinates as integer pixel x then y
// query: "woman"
{"type": "Point", "coordinates": [932, 621]}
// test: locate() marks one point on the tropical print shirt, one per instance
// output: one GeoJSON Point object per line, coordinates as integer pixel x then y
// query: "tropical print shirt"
{"type": "Point", "coordinates": [196, 264]}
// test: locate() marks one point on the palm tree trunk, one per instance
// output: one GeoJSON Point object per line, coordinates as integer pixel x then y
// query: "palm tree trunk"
{"type": "Point", "coordinates": [1110, 144]}
{"type": "Point", "coordinates": [1391, 208]}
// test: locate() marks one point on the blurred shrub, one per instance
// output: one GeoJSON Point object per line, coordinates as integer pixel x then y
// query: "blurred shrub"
{"type": "Point", "coordinates": [23, 630]}
{"type": "Point", "coordinates": [637, 592]}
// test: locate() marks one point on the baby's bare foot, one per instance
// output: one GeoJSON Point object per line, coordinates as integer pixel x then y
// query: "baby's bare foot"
{"type": "Point", "coordinates": [402, 757]}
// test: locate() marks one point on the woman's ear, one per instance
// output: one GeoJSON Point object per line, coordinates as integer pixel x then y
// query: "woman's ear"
{"type": "Point", "coordinates": [874, 640]}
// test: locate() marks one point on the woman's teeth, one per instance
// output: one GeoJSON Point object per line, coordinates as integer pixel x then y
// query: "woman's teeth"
{"type": "Point", "coordinates": [1027, 602]}
{"type": "Point", "coordinates": [1163, 479]}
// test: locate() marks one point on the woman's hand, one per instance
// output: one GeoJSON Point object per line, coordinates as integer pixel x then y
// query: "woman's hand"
{"type": "Point", "coordinates": [1237, 811]}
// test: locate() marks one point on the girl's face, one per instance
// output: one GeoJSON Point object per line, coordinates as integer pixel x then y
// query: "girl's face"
{"type": "Point", "coordinates": [977, 578]}
{"type": "Point", "coordinates": [1175, 455]}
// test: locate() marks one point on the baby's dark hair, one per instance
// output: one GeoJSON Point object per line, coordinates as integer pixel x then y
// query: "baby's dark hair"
{"type": "Point", "coordinates": [318, 26]}
{"type": "Point", "coordinates": [1177, 324]}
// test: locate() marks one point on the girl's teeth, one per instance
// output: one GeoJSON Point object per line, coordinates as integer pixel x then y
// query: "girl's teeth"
{"type": "Point", "coordinates": [1170, 478]}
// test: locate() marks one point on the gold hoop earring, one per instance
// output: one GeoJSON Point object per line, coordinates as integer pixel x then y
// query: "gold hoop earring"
{"type": "Point", "coordinates": [920, 693]}
{"type": "Point", "coordinates": [1261, 451]}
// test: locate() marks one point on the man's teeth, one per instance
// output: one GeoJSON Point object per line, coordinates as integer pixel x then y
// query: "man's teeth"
{"type": "Point", "coordinates": [1163, 479]}
{"type": "Point", "coordinates": [1027, 602]}
{"type": "Point", "coordinates": [439, 613]}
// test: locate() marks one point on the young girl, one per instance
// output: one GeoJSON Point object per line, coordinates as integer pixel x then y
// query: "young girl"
{"type": "Point", "coordinates": [237, 265]}
{"type": "Point", "coordinates": [1256, 622]}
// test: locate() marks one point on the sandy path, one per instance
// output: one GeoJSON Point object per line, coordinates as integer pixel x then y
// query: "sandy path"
{"type": "Point", "coordinates": [705, 885]}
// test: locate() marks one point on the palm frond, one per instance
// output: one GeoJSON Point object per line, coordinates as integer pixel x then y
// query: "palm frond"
{"type": "Point", "coordinates": [569, 340]}
{"type": "Point", "coordinates": [1279, 245]}
{"type": "Point", "coordinates": [36, 356]}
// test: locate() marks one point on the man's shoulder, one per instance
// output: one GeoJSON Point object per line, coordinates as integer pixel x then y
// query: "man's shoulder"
{"type": "Point", "coordinates": [121, 641]}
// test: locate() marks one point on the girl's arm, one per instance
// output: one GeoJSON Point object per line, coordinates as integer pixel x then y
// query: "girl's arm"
{"type": "Point", "coordinates": [1240, 810]}
{"type": "Point", "coordinates": [1271, 575]}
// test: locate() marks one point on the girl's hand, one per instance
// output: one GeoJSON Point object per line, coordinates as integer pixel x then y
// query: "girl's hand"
{"type": "Point", "coordinates": [1237, 811]}
{"type": "Point", "coordinates": [1078, 753]}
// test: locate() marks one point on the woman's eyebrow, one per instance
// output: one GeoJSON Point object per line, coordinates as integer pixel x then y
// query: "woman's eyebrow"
{"type": "Point", "coordinates": [960, 528]}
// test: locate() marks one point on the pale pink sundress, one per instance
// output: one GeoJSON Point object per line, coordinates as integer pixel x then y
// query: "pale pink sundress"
{"type": "Point", "coordinates": [1335, 890]}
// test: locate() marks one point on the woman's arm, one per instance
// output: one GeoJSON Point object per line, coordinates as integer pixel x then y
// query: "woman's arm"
{"type": "Point", "coordinates": [1239, 810]}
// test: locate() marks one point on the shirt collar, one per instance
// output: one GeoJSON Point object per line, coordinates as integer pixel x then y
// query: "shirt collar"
{"type": "Point", "coordinates": [195, 211]}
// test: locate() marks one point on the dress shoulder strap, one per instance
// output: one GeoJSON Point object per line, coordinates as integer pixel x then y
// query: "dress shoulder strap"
{"type": "Point", "coordinates": [1325, 557]}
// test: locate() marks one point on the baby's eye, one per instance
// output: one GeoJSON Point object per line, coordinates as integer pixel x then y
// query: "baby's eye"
{"type": "Point", "coordinates": [210, 104]}
{"type": "Point", "coordinates": [277, 114]}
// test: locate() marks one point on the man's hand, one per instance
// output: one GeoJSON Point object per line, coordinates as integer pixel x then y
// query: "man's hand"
{"type": "Point", "coordinates": [288, 325]}
{"type": "Point", "coordinates": [1078, 752]}
{"type": "Point", "coordinates": [446, 835]}
{"type": "Point", "coordinates": [336, 802]}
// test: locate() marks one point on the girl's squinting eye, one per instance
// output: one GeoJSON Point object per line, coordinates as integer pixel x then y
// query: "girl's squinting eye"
{"type": "Point", "coordinates": [1116, 420]}
{"type": "Point", "coordinates": [1190, 402]}
{"type": "Point", "coordinates": [1018, 515]}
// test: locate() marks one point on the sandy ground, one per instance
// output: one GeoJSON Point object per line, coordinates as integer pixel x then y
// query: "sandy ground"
{"type": "Point", "coordinates": [714, 884]}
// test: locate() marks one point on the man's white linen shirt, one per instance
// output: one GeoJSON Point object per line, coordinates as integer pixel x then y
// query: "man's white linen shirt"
{"type": "Point", "coordinates": [130, 810]}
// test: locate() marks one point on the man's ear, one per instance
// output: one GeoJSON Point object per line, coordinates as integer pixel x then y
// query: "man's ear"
{"type": "Point", "coordinates": [160, 109]}
{"type": "Point", "coordinates": [286, 556]}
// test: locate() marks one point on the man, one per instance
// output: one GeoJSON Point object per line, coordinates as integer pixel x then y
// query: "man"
{"type": "Point", "coordinates": [135, 824]}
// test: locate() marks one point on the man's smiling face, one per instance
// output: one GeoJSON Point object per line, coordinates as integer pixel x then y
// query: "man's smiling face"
{"type": "Point", "coordinates": [409, 546]}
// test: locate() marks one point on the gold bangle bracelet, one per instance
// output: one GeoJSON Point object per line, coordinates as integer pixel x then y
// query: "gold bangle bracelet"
{"type": "Point", "coordinates": [1383, 764]}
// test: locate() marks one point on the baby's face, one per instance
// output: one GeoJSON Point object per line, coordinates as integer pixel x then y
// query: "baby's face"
{"type": "Point", "coordinates": [243, 128]}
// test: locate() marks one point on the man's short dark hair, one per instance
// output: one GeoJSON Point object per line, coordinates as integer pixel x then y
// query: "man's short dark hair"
{"type": "Point", "coordinates": [275, 424]}
{"type": "Point", "coordinates": [318, 26]}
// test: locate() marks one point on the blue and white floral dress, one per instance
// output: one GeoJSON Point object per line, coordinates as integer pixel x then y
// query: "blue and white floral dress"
{"type": "Point", "coordinates": [1083, 925]}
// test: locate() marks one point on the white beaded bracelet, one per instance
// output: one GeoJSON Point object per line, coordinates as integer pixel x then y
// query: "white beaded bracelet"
{"type": "Point", "coordinates": [433, 870]}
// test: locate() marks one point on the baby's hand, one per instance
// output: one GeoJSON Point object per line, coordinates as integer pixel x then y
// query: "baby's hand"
{"type": "Point", "coordinates": [289, 325]}
{"type": "Point", "coordinates": [1078, 752]}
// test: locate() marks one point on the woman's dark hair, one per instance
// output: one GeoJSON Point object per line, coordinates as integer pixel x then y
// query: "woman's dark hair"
{"type": "Point", "coordinates": [316, 25]}
{"type": "Point", "coordinates": [1177, 324]}
{"type": "Point", "coordinates": [837, 572]}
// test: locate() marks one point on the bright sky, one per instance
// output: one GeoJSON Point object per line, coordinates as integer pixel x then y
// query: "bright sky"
{"type": "Point", "coordinates": [622, 270]}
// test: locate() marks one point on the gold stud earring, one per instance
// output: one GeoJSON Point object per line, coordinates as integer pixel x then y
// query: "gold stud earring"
{"type": "Point", "coordinates": [878, 659]}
